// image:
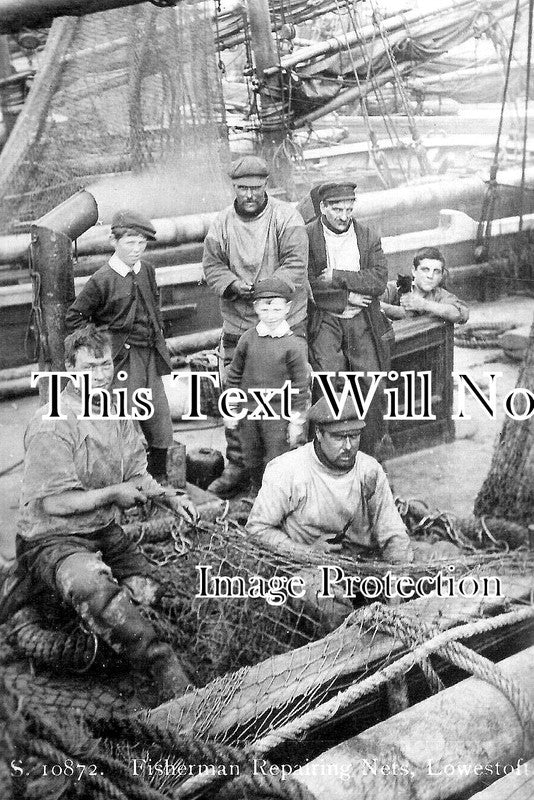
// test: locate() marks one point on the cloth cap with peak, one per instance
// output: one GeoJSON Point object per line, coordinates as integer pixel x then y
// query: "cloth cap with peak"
{"type": "Point", "coordinates": [272, 287]}
{"type": "Point", "coordinates": [249, 171]}
{"type": "Point", "coordinates": [329, 192]}
{"type": "Point", "coordinates": [348, 420]}
{"type": "Point", "coordinates": [134, 221]}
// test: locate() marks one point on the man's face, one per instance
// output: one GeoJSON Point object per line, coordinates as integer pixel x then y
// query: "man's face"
{"type": "Point", "coordinates": [340, 448]}
{"type": "Point", "coordinates": [250, 198]}
{"type": "Point", "coordinates": [428, 274]}
{"type": "Point", "coordinates": [272, 310]}
{"type": "Point", "coordinates": [100, 367]}
{"type": "Point", "coordinates": [130, 247]}
{"type": "Point", "coordinates": [338, 214]}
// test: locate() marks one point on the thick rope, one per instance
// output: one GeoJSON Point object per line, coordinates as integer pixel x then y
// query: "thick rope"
{"type": "Point", "coordinates": [198, 751]}
{"type": "Point", "coordinates": [124, 785]}
{"type": "Point", "coordinates": [325, 712]}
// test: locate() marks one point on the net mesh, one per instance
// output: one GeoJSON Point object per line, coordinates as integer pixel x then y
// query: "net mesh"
{"type": "Point", "coordinates": [130, 90]}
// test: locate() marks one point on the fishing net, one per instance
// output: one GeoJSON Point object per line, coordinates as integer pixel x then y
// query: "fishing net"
{"type": "Point", "coordinates": [133, 90]}
{"type": "Point", "coordinates": [269, 673]}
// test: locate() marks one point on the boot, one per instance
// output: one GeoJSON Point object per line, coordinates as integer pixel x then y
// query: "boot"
{"type": "Point", "coordinates": [230, 482]}
{"type": "Point", "coordinates": [167, 672]}
{"type": "Point", "coordinates": [157, 464]}
{"type": "Point", "coordinates": [234, 476]}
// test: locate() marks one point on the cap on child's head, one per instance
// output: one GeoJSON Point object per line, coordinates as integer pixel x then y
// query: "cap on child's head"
{"type": "Point", "coordinates": [272, 287]}
{"type": "Point", "coordinates": [131, 220]}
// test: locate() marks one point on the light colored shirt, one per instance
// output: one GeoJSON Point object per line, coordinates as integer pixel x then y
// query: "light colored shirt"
{"type": "Point", "coordinates": [66, 454]}
{"type": "Point", "coordinates": [342, 253]}
{"type": "Point", "coordinates": [303, 501]}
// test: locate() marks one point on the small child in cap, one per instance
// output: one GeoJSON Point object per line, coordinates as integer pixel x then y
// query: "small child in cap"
{"type": "Point", "coordinates": [266, 357]}
{"type": "Point", "coordinates": [122, 296]}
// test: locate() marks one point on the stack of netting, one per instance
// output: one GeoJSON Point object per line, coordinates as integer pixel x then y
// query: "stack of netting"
{"type": "Point", "coordinates": [129, 90]}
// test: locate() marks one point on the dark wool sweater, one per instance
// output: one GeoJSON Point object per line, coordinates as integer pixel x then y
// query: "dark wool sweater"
{"type": "Point", "coordinates": [264, 362]}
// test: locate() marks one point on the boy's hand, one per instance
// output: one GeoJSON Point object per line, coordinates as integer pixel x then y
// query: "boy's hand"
{"type": "Point", "coordinates": [230, 423]}
{"type": "Point", "coordinates": [413, 302]}
{"type": "Point", "coordinates": [295, 434]}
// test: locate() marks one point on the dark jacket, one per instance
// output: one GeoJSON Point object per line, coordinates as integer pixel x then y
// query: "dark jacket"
{"type": "Point", "coordinates": [371, 279]}
{"type": "Point", "coordinates": [107, 299]}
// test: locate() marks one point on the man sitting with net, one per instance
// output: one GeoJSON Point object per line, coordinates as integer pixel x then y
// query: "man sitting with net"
{"type": "Point", "coordinates": [78, 472]}
{"type": "Point", "coordinates": [329, 496]}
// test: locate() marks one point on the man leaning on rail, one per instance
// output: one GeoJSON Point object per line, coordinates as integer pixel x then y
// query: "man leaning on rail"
{"type": "Point", "coordinates": [77, 474]}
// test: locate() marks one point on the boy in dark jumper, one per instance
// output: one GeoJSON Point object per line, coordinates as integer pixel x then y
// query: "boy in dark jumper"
{"type": "Point", "coordinates": [122, 296]}
{"type": "Point", "coordinates": [266, 357]}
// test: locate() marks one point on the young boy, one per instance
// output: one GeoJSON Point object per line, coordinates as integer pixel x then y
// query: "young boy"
{"type": "Point", "coordinates": [266, 357]}
{"type": "Point", "coordinates": [123, 297]}
{"type": "Point", "coordinates": [427, 296]}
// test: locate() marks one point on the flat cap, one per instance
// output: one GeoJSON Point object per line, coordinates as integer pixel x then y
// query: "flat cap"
{"type": "Point", "coordinates": [348, 420]}
{"type": "Point", "coordinates": [133, 221]}
{"type": "Point", "coordinates": [337, 191]}
{"type": "Point", "coordinates": [272, 287]}
{"type": "Point", "coordinates": [249, 170]}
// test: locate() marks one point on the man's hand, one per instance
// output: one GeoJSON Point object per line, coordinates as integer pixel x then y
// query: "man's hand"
{"type": "Point", "coordinates": [127, 494]}
{"type": "Point", "coordinates": [324, 277]}
{"type": "Point", "coordinates": [413, 302]}
{"type": "Point", "coordinates": [360, 300]}
{"type": "Point", "coordinates": [182, 505]}
{"type": "Point", "coordinates": [242, 288]}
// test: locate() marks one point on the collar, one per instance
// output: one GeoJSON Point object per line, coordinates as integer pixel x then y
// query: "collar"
{"type": "Point", "coordinates": [328, 464]}
{"type": "Point", "coordinates": [282, 329]}
{"type": "Point", "coordinates": [122, 268]}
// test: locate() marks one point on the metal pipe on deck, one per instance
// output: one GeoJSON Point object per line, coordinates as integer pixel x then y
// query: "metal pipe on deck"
{"type": "Point", "coordinates": [436, 749]}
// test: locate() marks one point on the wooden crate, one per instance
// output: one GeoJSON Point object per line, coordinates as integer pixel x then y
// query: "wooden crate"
{"type": "Point", "coordinates": [425, 343]}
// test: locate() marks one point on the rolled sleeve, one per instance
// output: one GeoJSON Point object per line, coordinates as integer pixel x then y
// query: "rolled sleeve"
{"type": "Point", "coordinates": [390, 531]}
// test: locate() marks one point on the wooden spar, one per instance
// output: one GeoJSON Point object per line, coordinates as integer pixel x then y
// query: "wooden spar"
{"type": "Point", "coordinates": [517, 785]}
{"type": "Point", "coordinates": [18, 14]}
{"type": "Point", "coordinates": [436, 749]}
{"type": "Point", "coordinates": [278, 681]}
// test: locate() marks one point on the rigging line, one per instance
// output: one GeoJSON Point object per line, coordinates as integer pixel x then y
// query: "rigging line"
{"type": "Point", "coordinates": [420, 152]}
{"type": "Point", "coordinates": [389, 125]}
{"type": "Point", "coordinates": [378, 157]}
{"type": "Point", "coordinates": [371, 76]}
{"type": "Point", "coordinates": [525, 124]}
{"type": "Point", "coordinates": [488, 204]}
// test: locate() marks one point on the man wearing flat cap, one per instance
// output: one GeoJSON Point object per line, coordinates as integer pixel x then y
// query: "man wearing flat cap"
{"type": "Point", "coordinates": [122, 296]}
{"type": "Point", "coordinates": [253, 239]}
{"type": "Point", "coordinates": [347, 271]}
{"type": "Point", "coordinates": [330, 496]}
